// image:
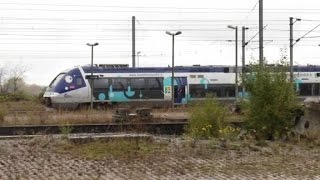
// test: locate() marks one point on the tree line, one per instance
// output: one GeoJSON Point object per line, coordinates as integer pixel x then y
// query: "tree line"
{"type": "Point", "coordinates": [12, 80]}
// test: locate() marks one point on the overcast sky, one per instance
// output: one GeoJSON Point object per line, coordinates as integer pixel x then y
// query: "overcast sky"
{"type": "Point", "coordinates": [50, 36]}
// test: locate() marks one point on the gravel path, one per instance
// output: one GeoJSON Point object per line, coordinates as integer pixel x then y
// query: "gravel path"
{"type": "Point", "coordinates": [35, 159]}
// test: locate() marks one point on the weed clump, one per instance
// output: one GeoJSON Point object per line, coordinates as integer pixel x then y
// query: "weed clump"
{"type": "Point", "coordinates": [206, 119]}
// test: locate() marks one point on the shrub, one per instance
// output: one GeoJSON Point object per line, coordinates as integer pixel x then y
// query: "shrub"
{"type": "Point", "coordinates": [14, 97]}
{"type": "Point", "coordinates": [272, 101]}
{"type": "Point", "coordinates": [206, 119]}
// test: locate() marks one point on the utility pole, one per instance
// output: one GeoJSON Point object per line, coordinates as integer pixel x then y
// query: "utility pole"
{"type": "Point", "coordinates": [236, 71]}
{"type": "Point", "coordinates": [236, 63]}
{"type": "Point", "coordinates": [243, 56]}
{"type": "Point", "coordinates": [91, 77]}
{"type": "Point", "coordinates": [261, 32]}
{"type": "Point", "coordinates": [292, 44]}
{"type": "Point", "coordinates": [291, 48]}
{"type": "Point", "coordinates": [173, 34]}
{"type": "Point", "coordinates": [133, 41]}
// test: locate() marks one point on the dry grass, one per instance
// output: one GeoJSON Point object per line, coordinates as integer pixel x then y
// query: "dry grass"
{"type": "Point", "coordinates": [123, 149]}
{"type": "Point", "coordinates": [30, 113]}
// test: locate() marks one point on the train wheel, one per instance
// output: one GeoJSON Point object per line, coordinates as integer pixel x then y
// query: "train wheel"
{"type": "Point", "coordinates": [83, 106]}
{"type": "Point", "coordinates": [48, 102]}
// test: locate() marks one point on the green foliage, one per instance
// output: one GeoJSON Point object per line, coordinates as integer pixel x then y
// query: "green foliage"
{"type": "Point", "coordinates": [272, 101]}
{"type": "Point", "coordinates": [230, 132]}
{"type": "Point", "coordinates": [206, 119]}
{"type": "Point", "coordinates": [14, 97]}
{"type": "Point", "coordinates": [65, 131]}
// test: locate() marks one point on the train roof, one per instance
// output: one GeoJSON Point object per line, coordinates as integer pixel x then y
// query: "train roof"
{"type": "Point", "coordinates": [97, 69]}
{"type": "Point", "coordinates": [308, 68]}
{"type": "Point", "coordinates": [181, 69]}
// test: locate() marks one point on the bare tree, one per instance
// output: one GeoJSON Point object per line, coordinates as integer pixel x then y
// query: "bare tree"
{"type": "Point", "coordinates": [17, 73]}
{"type": "Point", "coordinates": [2, 77]}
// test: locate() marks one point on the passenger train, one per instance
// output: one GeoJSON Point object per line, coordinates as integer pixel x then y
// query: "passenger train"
{"type": "Point", "coordinates": [113, 84]}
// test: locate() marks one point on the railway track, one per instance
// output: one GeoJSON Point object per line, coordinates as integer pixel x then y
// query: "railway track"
{"type": "Point", "coordinates": [168, 128]}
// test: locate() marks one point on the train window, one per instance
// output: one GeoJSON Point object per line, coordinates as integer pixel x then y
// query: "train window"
{"type": "Point", "coordinates": [315, 89]}
{"type": "Point", "coordinates": [305, 89]}
{"type": "Point", "coordinates": [119, 84]}
{"type": "Point", "coordinates": [137, 83]}
{"type": "Point", "coordinates": [154, 83]}
{"type": "Point", "coordinates": [197, 90]}
{"type": "Point", "coordinates": [318, 74]}
{"type": "Point", "coordinates": [221, 90]}
{"type": "Point", "coordinates": [101, 83]}
{"type": "Point", "coordinates": [200, 76]}
{"type": "Point", "coordinates": [193, 76]}
{"type": "Point", "coordinates": [226, 70]}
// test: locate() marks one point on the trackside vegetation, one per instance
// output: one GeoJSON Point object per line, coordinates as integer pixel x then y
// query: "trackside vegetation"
{"type": "Point", "coordinates": [268, 111]}
{"type": "Point", "coordinates": [206, 118]}
{"type": "Point", "coordinates": [272, 102]}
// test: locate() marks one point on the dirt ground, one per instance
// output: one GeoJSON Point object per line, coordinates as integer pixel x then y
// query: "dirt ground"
{"type": "Point", "coordinates": [36, 158]}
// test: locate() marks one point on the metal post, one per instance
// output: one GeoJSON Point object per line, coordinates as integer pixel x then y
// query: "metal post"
{"type": "Point", "coordinates": [291, 48]}
{"type": "Point", "coordinates": [243, 57]}
{"type": "Point", "coordinates": [91, 101]}
{"type": "Point", "coordinates": [172, 68]}
{"type": "Point", "coordinates": [236, 70]}
{"type": "Point", "coordinates": [133, 41]}
{"type": "Point", "coordinates": [236, 63]}
{"type": "Point", "coordinates": [91, 77]}
{"type": "Point", "coordinates": [261, 32]}
{"type": "Point", "coordinates": [172, 77]}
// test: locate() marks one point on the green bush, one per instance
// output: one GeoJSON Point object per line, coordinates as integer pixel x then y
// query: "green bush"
{"type": "Point", "coordinates": [206, 119]}
{"type": "Point", "coordinates": [14, 97]}
{"type": "Point", "coordinates": [272, 101]}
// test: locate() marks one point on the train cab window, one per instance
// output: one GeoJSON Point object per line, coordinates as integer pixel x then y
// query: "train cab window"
{"type": "Point", "coordinates": [318, 75]}
{"type": "Point", "coordinates": [57, 79]}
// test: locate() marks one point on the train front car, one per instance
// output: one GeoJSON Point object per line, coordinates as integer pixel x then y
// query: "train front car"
{"type": "Point", "coordinates": [67, 90]}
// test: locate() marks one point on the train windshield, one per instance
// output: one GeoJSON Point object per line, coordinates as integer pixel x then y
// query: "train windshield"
{"type": "Point", "coordinates": [56, 80]}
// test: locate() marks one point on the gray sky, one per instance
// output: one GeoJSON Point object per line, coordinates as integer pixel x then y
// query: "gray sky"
{"type": "Point", "coordinates": [50, 36]}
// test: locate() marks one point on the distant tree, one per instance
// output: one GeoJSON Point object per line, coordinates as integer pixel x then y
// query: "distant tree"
{"type": "Point", "coordinates": [2, 77]}
{"type": "Point", "coordinates": [32, 89]}
{"type": "Point", "coordinates": [16, 74]}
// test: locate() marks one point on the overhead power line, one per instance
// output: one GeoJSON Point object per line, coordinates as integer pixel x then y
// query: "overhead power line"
{"type": "Point", "coordinates": [306, 34]}
{"type": "Point", "coordinates": [236, 11]}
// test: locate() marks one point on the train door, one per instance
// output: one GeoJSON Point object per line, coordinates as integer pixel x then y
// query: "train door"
{"type": "Point", "coordinates": [180, 90]}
